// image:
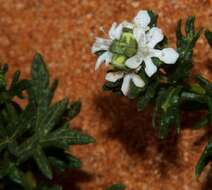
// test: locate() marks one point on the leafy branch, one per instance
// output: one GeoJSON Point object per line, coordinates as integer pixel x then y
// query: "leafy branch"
{"type": "Point", "coordinates": [34, 139]}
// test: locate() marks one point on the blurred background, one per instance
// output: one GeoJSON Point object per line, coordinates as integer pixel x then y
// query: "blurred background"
{"type": "Point", "coordinates": [127, 149]}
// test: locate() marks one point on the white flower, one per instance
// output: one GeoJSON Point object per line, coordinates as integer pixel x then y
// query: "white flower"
{"type": "Point", "coordinates": [140, 22]}
{"type": "Point", "coordinates": [127, 78]}
{"type": "Point", "coordinates": [146, 43]}
{"type": "Point", "coordinates": [102, 44]}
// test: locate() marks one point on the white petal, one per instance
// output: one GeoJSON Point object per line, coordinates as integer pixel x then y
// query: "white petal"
{"type": "Point", "coordinates": [150, 68]}
{"type": "Point", "coordinates": [115, 31]}
{"type": "Point", "coordinates": [109, 58]}
{"type": "Point", "coordinates": [105, 57]}
{"type": "Point", "coordinates": [137, 80]}
{"type": "Point", "coordinates": [126, 84]}
{"type": "Point", "coordinates": [114, 76]}
{"type": "Point", "coordinates": [133, 62]}
{"type": "Point", "coordinates": [167, 55]}
{"type": "Point", "coordinates": [142, 19]}
{"type": "Point", "coordinates": [139, 35]}
{"type": "Point", "coordinates": [154, 36]}
{"type": "Point", "coordinates": [100, 44]}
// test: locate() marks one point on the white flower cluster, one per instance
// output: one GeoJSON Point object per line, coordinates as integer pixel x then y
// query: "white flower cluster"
{"type": "Point", "coordinates": [147, 38]}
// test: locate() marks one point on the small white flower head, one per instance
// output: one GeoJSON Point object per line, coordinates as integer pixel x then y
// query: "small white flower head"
{"type": "Point", "coordinates": [146, 51]}
{"type": "Point", "coordinates": [127, 78]}
{"type": "Point", "coordinates": [140, 22]}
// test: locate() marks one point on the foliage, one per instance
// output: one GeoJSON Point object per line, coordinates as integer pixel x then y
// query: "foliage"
{"type": "Point", "coordinates": [168, 89]}
{"type": "Point", "coordinates": [206, 156]}
{"type": "Point", "coordinates": [171, 90]}
{"type": "Point", "coordinates": [34, 138]}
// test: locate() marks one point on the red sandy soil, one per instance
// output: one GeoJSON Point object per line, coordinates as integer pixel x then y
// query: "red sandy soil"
{"type": "Point", "coordinates": [126, 149]}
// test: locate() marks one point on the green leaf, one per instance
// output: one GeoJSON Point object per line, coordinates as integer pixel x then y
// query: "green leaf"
{"type": "Point", "coordinates": [42, 162]}
{"type": "Point", "coordinates": [154, 18]}
{"type": "Point", "coordinates": [40, 75]}
{"type": "Point", "coordinates": [38, 91]}
{"type": "Point", "coordinates": [150, 93]}
{"type": "Point", "coordinates": [134, 91]}
{"type": "Point", "coordinates": [190, 25]}
{"type": "Point", "coordinates": [68, 161]}
{"type": "Point", "coordinates": [208, 35]}
{"type": "Point", "coordinates": [117, 186]}
{"type": "Point", "coordinates": [74, 109]}
{"type": "Point", "coordinates": [185, 44]}
{"type": "Point", "coordinates": [113, 86]}
{"type": "Point", "coordinates": [204, 159]}
{"type": "Point", "coordinates": [205, 84]}
{"type": "Point", "coordinates": [64, 136]}
{"type": "Point", "coordinates": [28, 132]}
{"type": "Point", "coordinates": [53, 115]}
{"type": "Point", "coordinates": [167, 108]}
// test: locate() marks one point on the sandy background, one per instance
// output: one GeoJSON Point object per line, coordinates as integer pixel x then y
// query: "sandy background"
{"type": "Point", "coordinates": [126, 149]}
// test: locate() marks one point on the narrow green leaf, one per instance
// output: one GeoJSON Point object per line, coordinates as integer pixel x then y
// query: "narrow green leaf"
{"type": "Point", "coordinates": [69, 161]}
{"type": "Point", "coordinates": [40, 75]}
{"type": "Point", "coordinates": [204, 159]}
{"type": "Point", "coordinates": [42, 162]}
{"type": "Point", "coordinates": [74, 109]}
{"type": "Point", "coordinates": [190, 25]}
{"type": "Point", "coordinates": [179, 32]}
{"type": "Point", "coordinates": [64, 136]}
{"type": "Point", "coordinates": [154, 18]}
{"type": "Point", "coordinates": [15, 79]}
{"type": "Point", "coordinates": [4, 68]}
